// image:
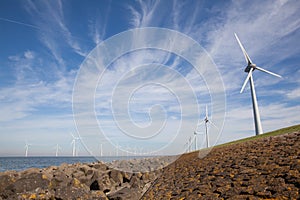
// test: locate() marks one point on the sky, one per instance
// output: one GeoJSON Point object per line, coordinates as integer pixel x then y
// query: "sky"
{"type": "Point", "coordinates": [133, 77]}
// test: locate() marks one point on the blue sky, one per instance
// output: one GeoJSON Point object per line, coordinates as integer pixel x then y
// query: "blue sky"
{"type": "Point", "coordinates": [44, 44]}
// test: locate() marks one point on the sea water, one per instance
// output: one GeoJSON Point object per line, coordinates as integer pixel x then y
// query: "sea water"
{"type": "Point", "coordinates": [22, 163]}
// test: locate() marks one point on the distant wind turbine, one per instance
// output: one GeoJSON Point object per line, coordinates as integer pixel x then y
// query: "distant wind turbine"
{"type": "Point", "coordinates": [57, 149]}
{"type": "Point", "coordinates": [101, 150]}
{"type": "Point", "coordinates": [26, 148]}
{"type": "Point", "coordinates": [74, 151]}
{"type": "Point", "coordinates": [117, 149]}
{"type": "Point", "coordinates": [195, 140]}
{"type": "Point", "coordinates": [249, 69]}
{"type": "Point", "coordinates": [190, 144]}
{"type": "Point", "coordinates": [186, 146]}
{"type": "Point", "coordinates": [206, 121]}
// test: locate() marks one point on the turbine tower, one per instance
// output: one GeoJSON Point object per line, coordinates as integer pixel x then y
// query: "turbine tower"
{"type": "Point", "coordinates": [206, 121]}
{"type": "Point", "coordinates": [195, 136]}
{"type": "Point", "coordinates": [196, 140]}
{"type": "Point", "coordinates": [74, 152]}
{"type": "Point", "coordinates": [101, 150]}
{"type": "Point", "coordinates": [26, 148]}
{"type": "Point", "coordinates": [57, 149]}
{"type": "Point", "coordinates": [249, 69]}
{"type": "Point", "coordinates": [190, 144]}
{"type": "Point", "coordinates": [186, 146]}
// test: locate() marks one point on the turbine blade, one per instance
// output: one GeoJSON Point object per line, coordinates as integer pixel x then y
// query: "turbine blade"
{"type": "Point", "coordinates": [72, 135]}
{"type": "Point", "coordinates": [200, 123]}
{"type": "Point", "coordinates": [245, 82]}
{"type": "Point", "coordinates": [268, 72]}
{"type": "Point", "coordinates": [206, 112]}
{"type": "Point", "coordinates": [213, 125]}
{"type": "Point", "coordinates": [248, 60]}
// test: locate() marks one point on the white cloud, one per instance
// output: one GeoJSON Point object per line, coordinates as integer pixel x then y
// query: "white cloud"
{"type": "Point", "coordinates": [270, 38]}
{"type": "Point", "coordinates": [49, 17]}
{"type": "Point", "coordinates": [33, 88]}
{"type": "Point", "coordinates": [98, 25]}
{"type": "Point", "coordinates": [294, 94]}
{"type": "Point", "coordinates": [28, 54]}
{"type": "Point", "coordinates": [143, 15]}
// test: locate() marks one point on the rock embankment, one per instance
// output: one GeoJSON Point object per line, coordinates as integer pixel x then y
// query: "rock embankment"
{"type": "Point", "coordinates": [78, 181]}
{"type": "Point", "coordinates": [266, 168]}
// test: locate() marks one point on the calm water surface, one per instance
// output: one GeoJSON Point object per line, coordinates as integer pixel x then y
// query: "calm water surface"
{"type": "Point", "coordinates": [22, 163]}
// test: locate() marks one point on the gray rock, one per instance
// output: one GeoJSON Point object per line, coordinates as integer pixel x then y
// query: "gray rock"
{"type": "Point", "coordinates": [117, 176]}
{"type": "Point", "coordinates": [29, 182]}
{"type": "Point", "coordinates": [5, 180]}
{"type": "Point", "coordinates": [124, 193]}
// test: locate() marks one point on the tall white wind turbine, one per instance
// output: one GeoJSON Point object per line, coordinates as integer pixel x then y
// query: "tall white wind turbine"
{"type": "Point", "coordinates": [249, 69]}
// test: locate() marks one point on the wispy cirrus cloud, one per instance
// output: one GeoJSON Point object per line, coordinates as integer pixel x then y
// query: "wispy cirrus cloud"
{"type": "Point", "coordinates": [265, 43]}
{"type": "Point", "coordinates": [34, 87]}
{"type": "Point", "coordinates": [98, 25]}
{"type": "Point", "coordinates": [143, 13]}
{"type": "Point", "coordinates": [43, 83]}
{"type": "Point", "coordinates": [49, 17]}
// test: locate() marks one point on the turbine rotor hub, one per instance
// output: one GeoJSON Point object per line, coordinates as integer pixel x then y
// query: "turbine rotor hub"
{"type": "Point", "coordinates": [251, 65]}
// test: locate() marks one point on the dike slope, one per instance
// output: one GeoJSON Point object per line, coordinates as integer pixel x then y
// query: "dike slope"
{"type": "Point", "coordinates": [265, 168]}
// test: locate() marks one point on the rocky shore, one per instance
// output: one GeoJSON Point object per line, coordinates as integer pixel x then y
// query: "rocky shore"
{"type": "Point", "coordinates": [266, 168]}
{"type": "Point", "coordinates": [82, 181]}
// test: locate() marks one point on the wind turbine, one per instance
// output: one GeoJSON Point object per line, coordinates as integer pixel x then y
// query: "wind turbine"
{"type": "Point", "coordinates": [195, 139]}
{"type": "Point", "coordinates": [26, 148]}
{"type": "Point", "coordinates": [190, 143]}
{"type": "Point", "coordinates": [101, 150]}
{"type": "Point", "coordinates": [57, 149]}
{"type": "Point", "coordinates": [74, 152]}
{"type": "Point", "coordinates": [206, 121]}
{"type": "Point", "coordinates": [117, 150]}
{"type": "Point", "coordinates": [249, 69]}
{"type": "Point", "coordinates": [186, 146]}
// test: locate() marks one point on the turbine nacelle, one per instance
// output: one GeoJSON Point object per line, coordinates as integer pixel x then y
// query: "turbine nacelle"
{"type": "Point", "coordinates": [249, 67]}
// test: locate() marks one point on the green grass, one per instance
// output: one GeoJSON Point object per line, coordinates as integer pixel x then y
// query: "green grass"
{"type": "Point", "coordinates": [290, 129]}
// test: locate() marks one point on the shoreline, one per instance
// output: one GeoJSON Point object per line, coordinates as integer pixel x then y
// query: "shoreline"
{"type": "Point", "coordinates": [267, 167]}
{"type": "Point", "coordinates": [96, 180]}
{"type": "Point", "coordinates": [19, 163]}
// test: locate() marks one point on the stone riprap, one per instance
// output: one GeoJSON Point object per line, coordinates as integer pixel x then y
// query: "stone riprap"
{"type": "Point", "coordinates": [266, 168]}
{"type": "Point", "coordinates": [77, 181]}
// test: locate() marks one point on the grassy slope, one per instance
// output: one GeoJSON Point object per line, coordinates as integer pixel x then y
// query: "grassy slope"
{"type": "Point", "coordinates": [290, 129]}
